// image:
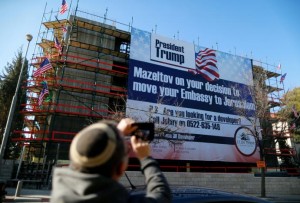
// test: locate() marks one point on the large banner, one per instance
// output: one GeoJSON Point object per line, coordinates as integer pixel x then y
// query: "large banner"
{"type": "Point", "coordinates": [197, 97]}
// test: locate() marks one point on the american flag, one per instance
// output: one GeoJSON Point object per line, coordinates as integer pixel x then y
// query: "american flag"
{"type": "Point", "coordinates": [64, 29]}
{"type": "Point", "coordinates": [43, 93]}
{"type": "Point", "coordinates": [45, 65]}
{"type": "Point", "coordinates": [206, 64]}
{"type": "Point", "coordinates": [279, 67]}
{"type": "Point", "coordinates": [57, 44]}
{"type": "Point", "coordinates": [64, 7]}
{"type": "Point", "coordinates": [282, 78]}
{"type": "Point", "coordinates": [293, 126]}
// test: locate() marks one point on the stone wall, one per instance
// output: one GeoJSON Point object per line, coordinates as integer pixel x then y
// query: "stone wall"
{"type": "Point", "coordinates": [239, 183]}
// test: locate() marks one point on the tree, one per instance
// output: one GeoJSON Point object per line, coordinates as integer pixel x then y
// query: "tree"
{"type": "Point", "coordinates": [260, 120]}
{"type": "Point", "coordinates": [291, 113]}
{"type": "Point", "coordinates": [8, 83]}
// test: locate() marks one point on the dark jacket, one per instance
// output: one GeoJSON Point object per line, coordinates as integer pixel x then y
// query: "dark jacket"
{"type": "Point", "coordinates": [73, 186]}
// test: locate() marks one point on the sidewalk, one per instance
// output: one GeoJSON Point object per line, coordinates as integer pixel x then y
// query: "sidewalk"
{"type": "Point", "coordinates": [282, 198]}
{"type": "Point", "coordinates": [27, 195]}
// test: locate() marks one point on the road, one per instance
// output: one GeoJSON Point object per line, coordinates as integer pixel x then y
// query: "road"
{"type": "Point", "coordinates": [28, 195]}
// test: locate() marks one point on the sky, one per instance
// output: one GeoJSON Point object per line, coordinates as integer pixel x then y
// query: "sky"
{"type": "Point", "coordinates": [264, 30]}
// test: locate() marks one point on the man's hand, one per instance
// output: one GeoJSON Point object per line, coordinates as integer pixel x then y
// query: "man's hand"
{"type": "Point", "coordinates": [125, 126]}
{"type": "Point", "coordinates": [140, 148]}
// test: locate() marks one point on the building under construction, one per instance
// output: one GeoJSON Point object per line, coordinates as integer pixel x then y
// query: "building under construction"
{"type": "Point", "coordinates": [87, 82]}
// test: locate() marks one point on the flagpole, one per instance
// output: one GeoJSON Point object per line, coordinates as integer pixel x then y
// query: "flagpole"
{"type": "Point", "coordinates": [13, 105]}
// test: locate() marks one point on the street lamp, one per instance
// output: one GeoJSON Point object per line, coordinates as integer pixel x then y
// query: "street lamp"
{"type": "Point", "coordinates": [13, 105]}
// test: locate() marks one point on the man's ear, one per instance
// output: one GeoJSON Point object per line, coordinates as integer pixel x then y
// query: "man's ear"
{"type": "Point", "coordinates": [121, 169]}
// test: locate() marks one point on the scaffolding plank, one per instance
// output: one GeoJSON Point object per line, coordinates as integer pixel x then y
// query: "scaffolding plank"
{"type": "Point", "coordinates": [273, 89]}
{"type": "Point", "coordinates": [56, 24]}
{"type": "Point", "coordinates": [48, 47]}
{"type": "Point", "coordinates": [57, 27]}
{"type": "Point", "coordinates": [273, 104]}
{"type": "Point", "coordinates": [267, 73]}
{"type": "Point", "coordinates": [271, 74]}
{"type": "Point", "coordinates": [104, 29]}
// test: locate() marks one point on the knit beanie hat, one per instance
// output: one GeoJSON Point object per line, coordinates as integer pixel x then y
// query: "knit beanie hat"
{"type": "Point", "coordinates": [94, 145]}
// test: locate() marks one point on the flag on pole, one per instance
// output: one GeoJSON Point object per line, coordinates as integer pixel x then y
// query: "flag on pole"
{"type": "Point", "coordinates": [45, 65]}
{"type": "Point", "coordinates": [43, 93]}
{"type": "Point", "coordinates": [282, 78]}
{"type": "Point", "coordinates": [64, 7]}
{"type": "Point", "coordinates": [64, 29]}
{"type": "Point", "coordinates": [293, 126]}
{"type": "Point", "coordinates": [49, 97]}
{"type": "Point", "coordinates": [57, 45]}
{"type": "Point", "coordinates": [295, 111]}
{"type": "Point", "coordinates": [279, 66]}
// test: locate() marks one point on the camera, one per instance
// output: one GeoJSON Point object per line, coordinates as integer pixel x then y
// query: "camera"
{"type": "Point", "coordinates": [144, 131]}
